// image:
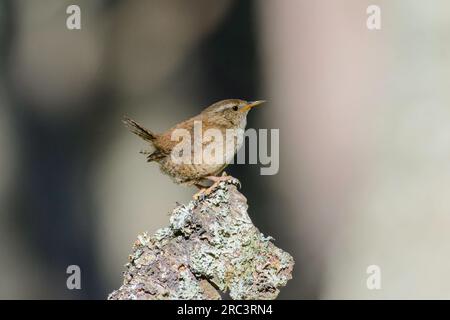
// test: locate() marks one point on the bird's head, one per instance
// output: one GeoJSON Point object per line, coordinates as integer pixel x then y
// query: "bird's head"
{"type": "Point", "coordinates": [230, 112]}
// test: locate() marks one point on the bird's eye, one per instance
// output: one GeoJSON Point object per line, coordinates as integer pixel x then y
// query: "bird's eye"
{"type": "Point", "coordinates": [235, 108]}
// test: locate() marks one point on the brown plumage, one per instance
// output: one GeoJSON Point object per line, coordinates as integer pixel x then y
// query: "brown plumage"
{"type": "Point", "coordinates": [222, 115]}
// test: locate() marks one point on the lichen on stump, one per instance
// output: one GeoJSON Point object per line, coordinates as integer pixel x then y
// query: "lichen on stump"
{"type": "Point", "coordinates": [211, 245]}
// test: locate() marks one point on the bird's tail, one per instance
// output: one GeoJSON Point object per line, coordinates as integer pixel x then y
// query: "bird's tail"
{"type": "Point", "coordinates": [139, 130]}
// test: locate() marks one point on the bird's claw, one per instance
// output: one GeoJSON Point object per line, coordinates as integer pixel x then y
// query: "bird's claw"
{"type": "Point", "coordinates": [226, 178]}
{"type": "Point", "coordinates": [200, 195]}
{"type": "Point", "coordinates": [235, 182]}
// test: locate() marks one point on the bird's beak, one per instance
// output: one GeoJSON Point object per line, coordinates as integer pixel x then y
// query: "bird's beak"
{"type": "Point", "coordinates": [252, 104]}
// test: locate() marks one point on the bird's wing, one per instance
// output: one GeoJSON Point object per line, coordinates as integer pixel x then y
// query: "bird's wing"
{"type": "Point", "coordinates": [169, 139]}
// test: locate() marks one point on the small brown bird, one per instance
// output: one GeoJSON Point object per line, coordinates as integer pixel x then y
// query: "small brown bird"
{"type": "Point", "coordinates": [223, 116]}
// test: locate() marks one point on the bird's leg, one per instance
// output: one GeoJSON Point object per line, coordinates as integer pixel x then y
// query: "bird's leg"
{"type": "Point", "coordinates": [223, 177]}
{"type": "Point", "coordinates": [200, 192]}
{"type": "Point", "coordinates": [206, 191]}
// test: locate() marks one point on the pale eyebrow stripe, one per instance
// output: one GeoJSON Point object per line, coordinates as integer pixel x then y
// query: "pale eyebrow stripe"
{"type": "Point", "coordinates": [226, 106]}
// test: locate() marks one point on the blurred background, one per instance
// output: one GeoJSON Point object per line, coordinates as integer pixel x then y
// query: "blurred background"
{"type": "Point", "coordinates": [364, 136]}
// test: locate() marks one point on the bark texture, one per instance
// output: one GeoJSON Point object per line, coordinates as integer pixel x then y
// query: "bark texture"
{"type": "Point", "coordinates": [210, 246]}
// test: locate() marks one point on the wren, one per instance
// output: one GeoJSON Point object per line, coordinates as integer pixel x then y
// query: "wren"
{"type": "Point", "coordinates": [221, 116]}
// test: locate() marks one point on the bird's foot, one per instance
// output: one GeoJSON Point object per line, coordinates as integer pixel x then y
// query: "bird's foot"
{"type": "Point", "coordinates": [203, 192]}
{"type": "Point", "coordinates": [224, 177]}
{"type": "Point", "coordinates": [200, 194]}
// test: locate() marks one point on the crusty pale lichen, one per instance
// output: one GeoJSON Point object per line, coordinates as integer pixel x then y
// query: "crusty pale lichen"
{"type": "Point", "coordinates": [210, 245]}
